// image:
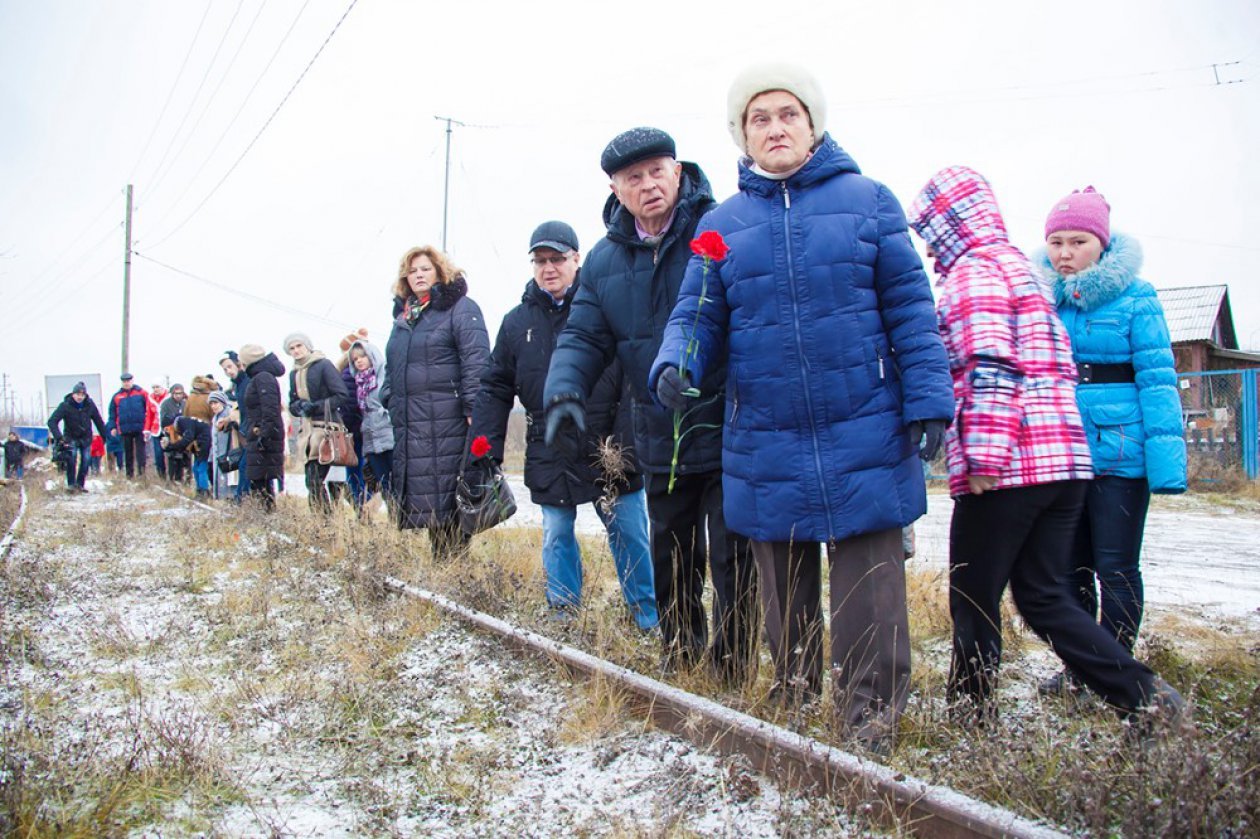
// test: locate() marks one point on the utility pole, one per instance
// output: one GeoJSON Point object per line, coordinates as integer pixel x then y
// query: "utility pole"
{"type": "Point", "coordinates": [126, 326]}
{"type": "Point", "coordinates": [446, 186]}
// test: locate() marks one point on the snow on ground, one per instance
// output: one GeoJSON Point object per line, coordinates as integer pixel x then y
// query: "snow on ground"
{"type": "Point", "coordinates": [1199, 558]}
{"type": "Point", "coordinates": [152, 643]}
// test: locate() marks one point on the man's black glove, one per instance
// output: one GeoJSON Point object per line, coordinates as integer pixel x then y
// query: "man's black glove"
{"type": "Point", "coordinates": [301, 407]}
{"type": "Point", "coordinates": [674, 390]}
{"type": "Point", "coordinates": [563, 412]}
{"type": "Point", "coordinates": [930, 433]}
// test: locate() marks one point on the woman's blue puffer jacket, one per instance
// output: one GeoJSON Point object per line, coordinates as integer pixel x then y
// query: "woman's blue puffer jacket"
{"type": "Point", "coordinates": [1113, 317]}
{"type": "Point", "coordinates": [827, 322]}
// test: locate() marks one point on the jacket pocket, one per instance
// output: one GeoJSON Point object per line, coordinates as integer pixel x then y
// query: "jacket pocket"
{"type": "Point", "coordinates": [1116, 435]}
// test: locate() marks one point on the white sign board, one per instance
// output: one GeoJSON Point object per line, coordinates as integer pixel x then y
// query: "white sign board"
{"type": "Point", "coordinates": [56, 388]}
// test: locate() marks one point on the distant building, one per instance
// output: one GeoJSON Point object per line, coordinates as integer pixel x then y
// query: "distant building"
{"type": "Point", "coordinates": [1201, 326]}
{"type": "Point", "coordinates": [1218, 414]}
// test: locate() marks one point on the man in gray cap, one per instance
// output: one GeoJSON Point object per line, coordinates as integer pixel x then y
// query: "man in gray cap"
{"type": "Point", "coordinates": [561, 477]}
{"type": "Point", "coordinates": [629, 285]}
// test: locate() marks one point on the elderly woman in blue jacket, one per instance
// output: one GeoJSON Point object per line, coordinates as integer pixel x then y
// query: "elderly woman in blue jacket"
{"type": "Point", "coordinates": [1128, 399]}
{"type": "Point", "coordinates": [836, 373]}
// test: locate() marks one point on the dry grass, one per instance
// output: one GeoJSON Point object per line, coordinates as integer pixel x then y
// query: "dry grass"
{"type": "Point", "coordinates": [312, 642]}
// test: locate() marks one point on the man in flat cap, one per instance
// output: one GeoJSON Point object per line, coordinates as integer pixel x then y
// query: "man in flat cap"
{"type": "Point", "coordinates": [629, 285]}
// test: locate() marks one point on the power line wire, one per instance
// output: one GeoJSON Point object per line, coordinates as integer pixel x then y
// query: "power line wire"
{"type": "Point", "coordinates": [265, 125]}
{"type": "Point", "coordinates": [171, 94]}
{"type": "Point", "coordinates": [155, 179]}
{"type": "Point", "coordinates": [215, 93]}
{"type": "Point", "coordinates": [284, 307]}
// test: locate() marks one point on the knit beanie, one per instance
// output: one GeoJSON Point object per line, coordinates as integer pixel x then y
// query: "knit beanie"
{"type": "Point", "coordinates": [1082, 210]}
{"type": "Point", "coordinates": [297, 337]}
{"type": "Point", "coordinates": [251, 353]}
{"type": "Point", "coordinates": [218, 396]}
{"type": "Point", "coordinates": [764, 77]}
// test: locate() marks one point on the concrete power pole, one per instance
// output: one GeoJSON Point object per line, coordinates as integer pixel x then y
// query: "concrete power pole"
{"type": "Point", "coordinates": [446, 186]}
{"type": "Point", "coordinates": [126, 324]}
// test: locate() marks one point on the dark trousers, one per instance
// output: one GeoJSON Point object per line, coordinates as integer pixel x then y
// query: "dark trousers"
{"type": "Point", "coordinates": [1023, 536]}
{"type": "Point", "coordinates": [316, 489]}
{"type": "Point", "coordinates": [680, 522]}
{"type": "Point", "coordinates": [448, 540]}
{"type": "Point", "coordinates": [1108, 545]}
{"type": "Point", "coordinates": [79, 463]}
{"type": "Point", "coordinates": [264, 492]}
{"type": "Point", "coordinates": [870, 632]}
{"type": "Point", "coordinates": [133, 452]}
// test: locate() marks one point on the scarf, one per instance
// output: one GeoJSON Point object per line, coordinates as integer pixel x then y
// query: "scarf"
{"type": "Point", "coordinates": [364, 383]}
{"type": "Point", "coordinates": [413, 307]}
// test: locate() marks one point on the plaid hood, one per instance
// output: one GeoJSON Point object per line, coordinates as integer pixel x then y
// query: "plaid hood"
{"type": "Point", "coordinates": [955, 212]}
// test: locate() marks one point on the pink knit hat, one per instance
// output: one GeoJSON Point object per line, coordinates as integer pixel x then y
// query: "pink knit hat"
{"type": "Point", "coordinates": [1082, 210]}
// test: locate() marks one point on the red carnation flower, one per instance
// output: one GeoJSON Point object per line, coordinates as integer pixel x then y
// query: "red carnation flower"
{"type": "Point", "coordinates": [480, 446]}
{"type": "Point", "coordinates": [710, 244]}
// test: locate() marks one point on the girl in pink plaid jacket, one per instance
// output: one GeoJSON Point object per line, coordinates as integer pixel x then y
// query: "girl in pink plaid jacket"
{"type": "Point", "coordinates": [1019, 462]}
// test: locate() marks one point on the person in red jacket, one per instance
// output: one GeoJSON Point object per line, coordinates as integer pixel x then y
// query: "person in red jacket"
{"type": "Point", "coordinates": [131, 414]}
{"type": "Point", "coordinates": [96, 453]}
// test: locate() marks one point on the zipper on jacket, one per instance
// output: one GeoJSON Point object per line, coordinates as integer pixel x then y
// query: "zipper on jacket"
{"type": "Point", "coordinates": [800, 349]}
{"type": "Point", "coordinates": [881, 367]}
{"type": "Point", "coordinates": [529, 334]}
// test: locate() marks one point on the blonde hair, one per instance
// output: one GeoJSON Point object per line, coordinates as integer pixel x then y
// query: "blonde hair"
{"type": "Point", "coordinates": [445, 270]}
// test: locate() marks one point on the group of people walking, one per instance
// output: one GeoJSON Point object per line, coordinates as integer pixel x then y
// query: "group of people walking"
{"type": "Point", "coordinates": [738, 385]}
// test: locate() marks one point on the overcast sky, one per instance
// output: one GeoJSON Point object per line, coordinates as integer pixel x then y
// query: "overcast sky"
{"type": "Point", "coordinates": [299, 226]}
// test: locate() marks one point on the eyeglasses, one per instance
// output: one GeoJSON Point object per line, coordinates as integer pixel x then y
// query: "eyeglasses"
{"type": "Point", "coordinates": [540, 261]}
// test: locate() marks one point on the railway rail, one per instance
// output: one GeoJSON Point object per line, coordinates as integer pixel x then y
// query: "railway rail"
{"type": "Point", "coordinates": [889, 797]}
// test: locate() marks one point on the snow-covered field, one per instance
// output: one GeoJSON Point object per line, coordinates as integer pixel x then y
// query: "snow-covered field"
{"type": "Point", "coordinates": [1200, 560]}
{"type": "Point", "coordinates": [234, 687]}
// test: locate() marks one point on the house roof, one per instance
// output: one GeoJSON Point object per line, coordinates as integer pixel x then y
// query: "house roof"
{"type": "Point", "coordinates": [1194, 313]}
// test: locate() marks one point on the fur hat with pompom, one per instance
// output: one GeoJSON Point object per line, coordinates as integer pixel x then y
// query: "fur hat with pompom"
{"type": "Point", "coordinates": [351, 338]}
{"type": "Point", "coordinates": [761, 78]}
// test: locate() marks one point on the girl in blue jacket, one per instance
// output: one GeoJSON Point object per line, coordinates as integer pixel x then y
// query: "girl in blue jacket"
{"type": "Point", "coordinates": [1128, 399]}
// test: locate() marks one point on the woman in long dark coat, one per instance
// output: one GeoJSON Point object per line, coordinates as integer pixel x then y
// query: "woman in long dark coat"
{"type": "Point", "coordinates": [436, 353]}
{"type": "Point", "coordinates": [264, 436]}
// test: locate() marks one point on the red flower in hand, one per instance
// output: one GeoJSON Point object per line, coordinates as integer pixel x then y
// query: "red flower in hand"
{"type": "Point", "coordinates": [480, 446]}
{"type": "Point", "coordinates": [710, 244]}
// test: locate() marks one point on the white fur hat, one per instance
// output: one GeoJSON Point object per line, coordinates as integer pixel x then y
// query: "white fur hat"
{"type": "Point", "coordinates": [762, 77]}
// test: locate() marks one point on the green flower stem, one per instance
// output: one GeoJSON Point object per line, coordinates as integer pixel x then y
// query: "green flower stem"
{"type": "Point", "coordinates": [688, 354]}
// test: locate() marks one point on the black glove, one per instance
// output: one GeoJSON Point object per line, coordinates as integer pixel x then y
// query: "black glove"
{"type": "Point", "coordinates": [930, 433]}
{"type": "Point", "coordinates": [301, 407]}
{"type": "Point", "coordinates": [565, 411]}
{"type": "Point", "coordinates": [671, 390]}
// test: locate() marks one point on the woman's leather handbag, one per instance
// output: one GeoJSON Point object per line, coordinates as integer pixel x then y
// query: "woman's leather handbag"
{"type": "Point", "coordinates": [483, 503]}
{"type": "Point", "coordinates": [336, 446]}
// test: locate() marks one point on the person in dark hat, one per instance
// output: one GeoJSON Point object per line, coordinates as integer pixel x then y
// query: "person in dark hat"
{"type": "Point", "coordinates": [562, 477]}
{"type": "Point", "coordinates": [71, 428]}
{"type": "Point", "coordinates": [232, 366]}
{"type": "Point", "coordinates": [131, 413]}
{"type": "Point", "coordinates": [629, 285]}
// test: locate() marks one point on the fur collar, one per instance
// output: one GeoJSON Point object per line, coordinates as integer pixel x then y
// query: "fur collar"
{"type": "Point", "coordinates": [443, 296]}
{"type": "Point", "coordinates": [1102, 282]}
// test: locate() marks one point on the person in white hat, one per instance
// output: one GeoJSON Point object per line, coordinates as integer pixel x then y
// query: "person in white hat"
{"type": "Point", "coordinates": [836, 375]}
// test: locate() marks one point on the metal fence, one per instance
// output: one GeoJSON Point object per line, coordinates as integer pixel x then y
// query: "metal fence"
{"type": "Point", "coordinates": [1220, 411]}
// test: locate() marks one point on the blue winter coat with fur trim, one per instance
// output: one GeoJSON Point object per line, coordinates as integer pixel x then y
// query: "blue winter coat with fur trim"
{"type": "Point", "coordinates": [1113, 317]}
{"type": "Point", "coordinates": [830, 326]}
